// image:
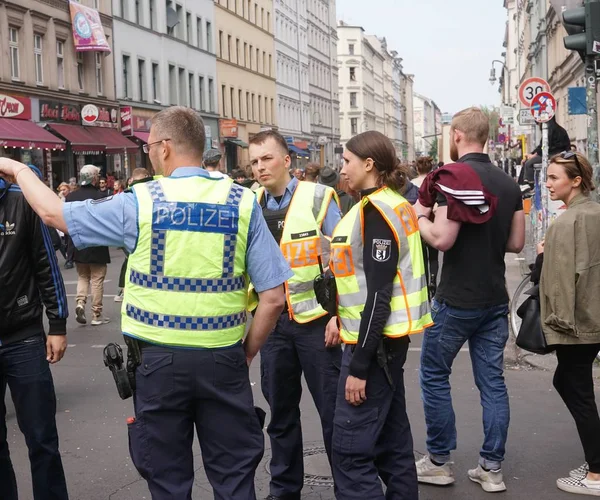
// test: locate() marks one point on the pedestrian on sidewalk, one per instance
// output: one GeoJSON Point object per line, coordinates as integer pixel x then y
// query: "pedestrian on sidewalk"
{"type": "Point", "coordinates": [31, 281]}
{"type": "Point", "coordinates": [471, 302]}
{"type": "Point", "coordinates": [300, 216]}
{"type": "Point", "coordinates": [91, 263]}
{"type": "Point", "coordinates": [569, 289]}
{"type": "Point", "coordinates": [185, 306]}
{"type": "Point", "coordinates": [377, 261]}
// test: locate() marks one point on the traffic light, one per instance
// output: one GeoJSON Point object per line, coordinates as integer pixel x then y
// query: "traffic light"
{"type": "Point", "coordinates": [583, 28]}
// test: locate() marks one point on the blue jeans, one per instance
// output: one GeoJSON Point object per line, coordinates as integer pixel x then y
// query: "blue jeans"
{"type": "Point", "coordinates": [486, 330]}
{"type": "Point", "coordinates": [24, 368]}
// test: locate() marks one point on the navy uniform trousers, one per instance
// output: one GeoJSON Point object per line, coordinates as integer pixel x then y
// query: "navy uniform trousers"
{"type": "Point", "coordinates": [374, 440]}
{"type": "Point", "coordinates": [209, 389]}
{"type": "Point", "coordinates": [291, 349]}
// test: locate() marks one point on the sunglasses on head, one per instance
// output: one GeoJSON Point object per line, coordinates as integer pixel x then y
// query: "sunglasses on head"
{"type": "Point", "coordinates": [568, 155]}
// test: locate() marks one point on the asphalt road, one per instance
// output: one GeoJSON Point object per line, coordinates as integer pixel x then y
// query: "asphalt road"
{"type": "Point", "coordinates": [543, 443]}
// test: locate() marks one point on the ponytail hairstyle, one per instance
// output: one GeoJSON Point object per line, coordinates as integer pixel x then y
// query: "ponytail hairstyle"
{"type": "Point", "coordinates": [376, 146]}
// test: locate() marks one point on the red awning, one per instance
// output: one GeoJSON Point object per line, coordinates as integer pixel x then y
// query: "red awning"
{"type": "Point", "coordinates": [113, 139]}
{"type": "Point", "coordinates": [142, 136]}
{"type": "Point", "coordinates": [78, 137]}
{"type": "Point", "coordinates": [25, 134]}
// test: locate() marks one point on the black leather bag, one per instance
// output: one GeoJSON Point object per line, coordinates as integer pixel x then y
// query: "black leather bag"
{"type": "Point", "coordinates": [531, 337]}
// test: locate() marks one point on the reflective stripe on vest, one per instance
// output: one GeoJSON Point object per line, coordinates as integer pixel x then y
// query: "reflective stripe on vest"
{"type": "Point", "coordinates": [187, 284]}
{"type": "Point", "coordinates": [410, 311]}
{"type": "Point", "coordinates": [302, 243]}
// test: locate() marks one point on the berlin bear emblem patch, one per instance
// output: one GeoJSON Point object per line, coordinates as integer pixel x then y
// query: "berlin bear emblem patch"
{"type": "Point", "coordinates": [382, 250]}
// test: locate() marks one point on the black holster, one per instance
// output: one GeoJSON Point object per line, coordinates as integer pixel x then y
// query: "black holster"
{"type": "Point", "coordinates": [123, 373]}
{"type": "Point", "coordinates": [382, 361]}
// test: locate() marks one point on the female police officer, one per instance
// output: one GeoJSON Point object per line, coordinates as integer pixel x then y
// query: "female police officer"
{"type": "Point", "coordinates": [378, 265]}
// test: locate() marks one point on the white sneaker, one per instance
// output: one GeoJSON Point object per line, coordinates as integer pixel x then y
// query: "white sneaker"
{"type": "Point", "coordinates": [491, 481]}
{"type": "Point", "coordinates": [579, 486]}
{"type": "Point", "coordinates": [119, 297]}
{"type": "Point", "coordinates": [580, 472]}
{"type": "Point", "coordinates": [80, 314]}
{"type": "Point", "coordinates": [99, 320]}
{"type": "Point", "coordinates": [429, 473]}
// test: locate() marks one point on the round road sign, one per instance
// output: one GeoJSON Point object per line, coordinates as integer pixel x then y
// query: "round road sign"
{"type": "Point", "coordinates": [532, 87]}
{"type": "Point", "coordinates": [543, 107]}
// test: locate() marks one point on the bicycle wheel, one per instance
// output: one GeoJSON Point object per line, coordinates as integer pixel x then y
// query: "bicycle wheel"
{"type": "Point", "coordinates": [518, 299]}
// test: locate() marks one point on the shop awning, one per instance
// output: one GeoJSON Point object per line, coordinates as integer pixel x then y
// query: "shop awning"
{"type": "Point", "coordinates": [25, 134]}
{"type": "Point", "coordinates": [78, 137]}
{"type": "Point", "coordinates": [142, 136]}
{"type": "Point", "coordinates": [114, 141]}
{"type": "Point", "coordinates": [237, 142]}
{"type": "Point", "coordinates": [297, 150]}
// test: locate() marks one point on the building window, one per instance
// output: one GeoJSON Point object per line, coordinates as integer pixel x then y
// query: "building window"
{"type": "Point", "coordinates": [39, 66]}
{"type": "Point", "coordinates": [243, 9]}
{"type": "Point", "coordinates": [224, 99]}
{"type": "Point", "coordinates": [352, 74]}
{"type": "Point", "coordinates": [248, 106]}
{"type": "Point", "coordinates": [96, 4]}
{"type": "Point", "coordinates": [268, 21]}
{"type": "Point", "coordinates": [199, 37]}
{"type": "Point", "coordinates": [253, 110]}
{"type": "Point", "coordinates": [183, 99]}
{"type": "Point", "coordinates": [272, 110]}
{"type": "Point", "coordinates": [232, 100]}
{"type": "Point", "coordinates": [180, 26]}
{"type": "Point", "coordinates": [126, 76]}
{"type": "Point", "coordinates": [220, 44]}
{"type": "Point", "coordinates": [201, 91]}
{"type": "Point", "coordinates": [257, 59]}
{"type": "Point", "coordinates": [229, 48]}
{"type": "Point", "coordinates": [354, 126]}
{"type": "Point", "coordinates": [188, 28]}
{"type": "Point", "coordinates": [237, 51]}
{"type": "Point", "coordinates": [249, 6]}
{"type": "Point", "coordinates": [240, 107]}
{"type": "Point", "coordinates": [81, 71]}
{"type": "Point", "coordinates": [270, 65]}
{"type": "Point", "coordinates": [142, 79]}
{"type": "Point", "coordinates": [172, 85]}
{"type": "Point", "coordinates": [152, 11]}
{"type": "Point", "coordinates": [138, 15]}
{"type": "Point", "coordinates": [211, 92]}
{"type": "Point", "coordinates": [351, 49]}
{"type": "Point", "coordinates": [352, 99]}
{"type": "Point", "coordinates": [262, 17]}
{"type": "Point", "coordinates": [209, 46]}
{"type": "Point", "coordinates": [260, 115]}
{"type": "Point", "coordinates": [245, 55]}
{"type": "Point", "coordinates": [264, 62]}
{"type": "Point", "coordinates": [191, 91]}
{"type": "Point", "coordinates": [251, 49]}
{"type": "Point", "coordinates": [14, 53]}
{"type": "Point", "coordinates": [123, 10]}
{"type": "Point", "coordinates": [256, 14]}
{"type": "Point", "coordinates": [60, 63]}
{"type": "Point", "coordinates": [99, 78]}
{"type": "Point", "coordinates": [155, 82]}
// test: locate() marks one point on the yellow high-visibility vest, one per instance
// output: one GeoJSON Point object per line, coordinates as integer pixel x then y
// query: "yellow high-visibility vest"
{"type": "Point", "coordinates": [410, 305]}
{"type": "Point", "coordinates": [302, 243]}
{"type": "Point", "coordinates": [187, 283]}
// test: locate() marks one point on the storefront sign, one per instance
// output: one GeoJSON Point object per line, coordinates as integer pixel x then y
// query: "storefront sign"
{"type": "Point", "coordinates": [57, 112]}
{"type": "Point", "coordinates": [99, 116]}
{"type": "Point", "coordinates": [301, 144]}
{"type": "Point", "coordinates": [228, 128]}
{"type": "Point", "coordinates": [88, 33]}
{"type": "Point", "coordinates": [15, 107]}
{"type": "Point", "coordinates": [126, 120]}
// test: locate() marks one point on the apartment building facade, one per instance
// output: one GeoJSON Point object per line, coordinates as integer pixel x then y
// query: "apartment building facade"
{"type": "Point", "coordinates": [247, 91]}
{"type": "Point", "coordinates": [164, 56]}
{"type": "Point", "coordinates": [428, 124]}
{"type": "Point", "coordinates": [292, 70]}
{"type": "Point", "coordinates": [323, 80]}
{"type": "Point", "coordinates": [56, 85]}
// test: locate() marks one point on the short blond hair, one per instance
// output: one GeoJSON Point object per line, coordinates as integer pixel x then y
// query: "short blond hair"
{"type": "Point", "coordinates": [183, 127]}
{"type": "Point", "coordinates": [474, 123]}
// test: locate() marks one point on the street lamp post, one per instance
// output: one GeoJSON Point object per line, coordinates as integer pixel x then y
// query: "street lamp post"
{"type": "Point", "coordinates": [506, 84]}
{"type": "Point", "coordinates": [316, 118]}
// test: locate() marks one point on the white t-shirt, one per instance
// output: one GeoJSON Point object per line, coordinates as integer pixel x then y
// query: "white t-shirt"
{"type": "Point", "coordinates": [216, 174]}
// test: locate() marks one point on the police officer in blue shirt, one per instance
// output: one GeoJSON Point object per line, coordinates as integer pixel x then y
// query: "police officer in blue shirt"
{"type": "Point", "coordinates": [194, 244]}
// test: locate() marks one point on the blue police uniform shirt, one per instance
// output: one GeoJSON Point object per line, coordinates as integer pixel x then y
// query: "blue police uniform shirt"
{"type": "Point", "coordinates": [332, 217]}
{"type": "Point", "coordinates": [112, 222]}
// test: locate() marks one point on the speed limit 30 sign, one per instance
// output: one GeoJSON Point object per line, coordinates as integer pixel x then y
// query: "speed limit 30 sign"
{"type": "Point", "coordinates": [530, 88]}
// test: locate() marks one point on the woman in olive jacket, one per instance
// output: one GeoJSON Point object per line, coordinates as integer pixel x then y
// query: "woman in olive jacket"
{"type": "Point", "coordinates": [570, 313]}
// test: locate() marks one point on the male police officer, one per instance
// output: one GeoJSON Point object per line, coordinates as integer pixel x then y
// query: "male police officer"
{"type": "Point", "coordinates": [298, 214]}
{"type": "Point", "coordinates": [185, 302]}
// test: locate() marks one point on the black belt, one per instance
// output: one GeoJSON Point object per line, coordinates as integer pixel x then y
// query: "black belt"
{"type": "Point", "coordinates": [391, 344]}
